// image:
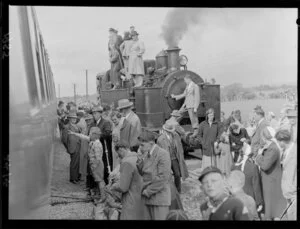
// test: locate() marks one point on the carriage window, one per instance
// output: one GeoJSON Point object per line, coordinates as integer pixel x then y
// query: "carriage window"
{"type": "Point", "coordinates": [27, 55]}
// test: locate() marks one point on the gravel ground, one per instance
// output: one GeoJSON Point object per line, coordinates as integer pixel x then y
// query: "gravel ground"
{"type": "Point", "coordinates": [70, 208]}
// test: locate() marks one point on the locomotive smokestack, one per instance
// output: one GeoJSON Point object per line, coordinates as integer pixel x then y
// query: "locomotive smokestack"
{"type": "Point", "coordinates": [173, 59]}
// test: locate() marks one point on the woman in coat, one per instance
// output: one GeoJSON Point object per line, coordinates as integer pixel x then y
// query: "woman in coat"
{"type": "Point", "coordinates": [207, 136]}
{"type": "Point", "coordinates": [117, 120]}
{"type": "Point", "coordinates": [136, 64]}
{"type": "Point", "coordinates": [268, 159]}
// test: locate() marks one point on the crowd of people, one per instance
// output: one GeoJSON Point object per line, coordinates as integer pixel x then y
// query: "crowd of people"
{"type": "Point", "coordinates": [249, 172]}
{"type": "Point", "coordinates": [126, 58]}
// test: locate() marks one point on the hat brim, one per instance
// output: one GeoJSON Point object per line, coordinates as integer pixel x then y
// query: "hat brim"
{"type": "Point", "coordinates": [208, 172]}
{"type": "Point", "coordinates": [126, 106]}
{"type": "Point", "coordinates": [172, 130]}
{"type": "Point", "coordinates": [71, 116]}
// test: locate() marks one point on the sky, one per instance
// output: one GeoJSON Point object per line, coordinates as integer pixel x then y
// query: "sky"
{"type": "Point", "coordinates": [251, 46]}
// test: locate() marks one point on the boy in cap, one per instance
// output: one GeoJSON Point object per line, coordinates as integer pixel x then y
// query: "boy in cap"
{"type": "Point", "coordinates": [95, 153]}
{"type": "Point", "coordinates": [236, 182]}
{"type": "Point", "coordinates": [220, 205]}
{"type": "Point", "coordinates": [154, 165]}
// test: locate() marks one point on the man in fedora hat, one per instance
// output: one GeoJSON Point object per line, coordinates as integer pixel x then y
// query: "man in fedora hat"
{"type": "Point", "coordinates": [219, 205]}
{"type": "Point", "coordinates": [154, 165]}
{"type": "Point", "coordinates": [136, 63]}
{"type": "Point", "coordinates": [73, 145]}
{"type": "Point", "coordinates": [171, 142]}
{"type": "Point", "coordinates": [293, 118]}
{"type": "Point", "coordinates": [105, 139]}
{"type": "Point", "coordinates": [261, 123]}
{"type": "Point", "coordinates": [131, 128]}
{"type": "Point", "coordinates": [175, 118]}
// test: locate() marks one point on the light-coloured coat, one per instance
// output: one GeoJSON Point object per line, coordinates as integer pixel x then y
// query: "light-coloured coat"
{"type": "Point", "coordinates": [164, 143]}
{"type": "Point", "coordinates": [192, 96]}
{"type": "Point", "coordinates": [131, 129]}
{"type": "Point", "coordinates": [131, 186]}
{"type": "Point", "coordinates": [136, 64]}
{"type": "Point", "coordinates": [156, 173]}
{"type": "Point", "coordinates": [257, 141]}
{"type": "Point", "coordinates": [289, 174]}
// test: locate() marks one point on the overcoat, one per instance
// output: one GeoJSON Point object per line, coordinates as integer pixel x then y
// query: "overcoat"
{"type": "Point", "coordinates": [131, 129]}
{"type": "Point", "coordinates": [224, 158]}
{"type": "Point", "coordinates": [253, 185]}
{"type": "Point", "coordinates": [256, 141]}
{"type": "Point", "coordinates": [130, 186]}
{"type": "Point", "coordinates": [136, 64]}
{"type": "Point", "coordinates": [164, 143]}
{"type": "Point", "coordinates": [115, 139]}
{"type": "Point", "coordinates": [271, 172]}
{"type": "Point", "coordinates": [114, 58]}
{"type": "Point", "coordinates": [156, 173]}
{"type": "Point", "coordinates": [83, 163]}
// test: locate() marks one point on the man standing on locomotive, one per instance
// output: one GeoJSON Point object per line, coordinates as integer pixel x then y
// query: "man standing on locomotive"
{"type": "Point", "coordinates": [131, 128]}
{"type": "Point", "coordinates": [191, 102]}
{"type": "Point", "coordinates": [136, 63]}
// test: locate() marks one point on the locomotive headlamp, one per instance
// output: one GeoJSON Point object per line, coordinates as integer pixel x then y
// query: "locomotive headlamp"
{"type": "Point", "coordinates": [183, 60]}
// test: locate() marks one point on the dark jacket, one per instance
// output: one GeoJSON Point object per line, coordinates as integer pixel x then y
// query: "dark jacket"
{"type": "Point", "coordinates": [236, 138]}
{"type": "Point", "coordinates": [253, 186]}
{"type": "Point", "coordinates": [206, 137]}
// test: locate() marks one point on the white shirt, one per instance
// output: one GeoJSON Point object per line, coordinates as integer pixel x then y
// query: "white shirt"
{"type": "Point", "coordinates": [260, 121]}
{"type": "Point", "coordinates": [98, 121]}
{"type": "Point", "coordinates": [152, 149]}
{"type": "Point", "coordinates": [126, 117]}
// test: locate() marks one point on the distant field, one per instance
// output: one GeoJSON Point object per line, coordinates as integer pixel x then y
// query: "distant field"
{"type": "Point", "coordinates": [247, 106]}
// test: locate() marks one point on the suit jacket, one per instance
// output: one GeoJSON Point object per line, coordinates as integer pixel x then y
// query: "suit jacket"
{"type": "Point", "coordinates": [105, 127]}
{"type": "Point", "coordinates": [164, 143]}
{"type": "Point", "coordinates": [130, 186]}
{"type": "Point", "coordinates": [131, 129]}
{"type": "Point", "coordinates": [192, 96]}
{"type": "Point", "coordinates": [289, 174]}
{"type": "Point", "coordinates": [256, 141]}
{"type": "Point", "coordinates": [253, 186]}
{"type": "Point", "coordinates": [156, 173]}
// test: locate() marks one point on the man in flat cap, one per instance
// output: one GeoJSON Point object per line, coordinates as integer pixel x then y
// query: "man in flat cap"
{"type": "Point", "coordinates": [105, 138]}
{"type": "Point", "coordinates": [131, 128]}
{"type": "Point", "coordinates": [219, 205]}
{"type": "Point", "coordinates": [154, 165]}
{"type": "Point", "coordinates": [261, 123]}
{"type": "Point", "coordinates": [293, 118]}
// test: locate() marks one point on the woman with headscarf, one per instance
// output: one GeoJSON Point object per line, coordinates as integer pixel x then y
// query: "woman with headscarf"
{"type": "Point", "coordinates": [268, 159]}
{"type": "Point", "coordinates": [136, 63]}
{"type": "Point", "coordinates": [125, 50]}
{"type": "Point", "coordinates": [207, 136]}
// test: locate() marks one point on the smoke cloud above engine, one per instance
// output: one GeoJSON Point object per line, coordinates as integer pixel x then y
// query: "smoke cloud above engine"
{"type": "Point", "coordinates": [177, 23]}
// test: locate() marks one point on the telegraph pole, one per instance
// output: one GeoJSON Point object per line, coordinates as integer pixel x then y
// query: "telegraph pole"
{"type": "Point", "coordinates": [58, 91]}
{"type": "Point", "coordinates": [86, 82]}
{"type": "Point", "coordinates": [75, 93]}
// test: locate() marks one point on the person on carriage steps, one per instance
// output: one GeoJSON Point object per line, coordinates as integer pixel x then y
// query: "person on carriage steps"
{"type": "Point", "coordinates": [136, 63]}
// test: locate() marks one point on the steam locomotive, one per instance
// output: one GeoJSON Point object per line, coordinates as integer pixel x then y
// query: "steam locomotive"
{"type": "Point", "coordinates": [152, 102]}
{"type": "Point", "coordinates": [33, 118]}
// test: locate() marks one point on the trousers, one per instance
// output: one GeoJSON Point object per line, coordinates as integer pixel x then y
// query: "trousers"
{"type": "Point", "coordinates": [154, 212]}
{"type": "Point", "coordinates": [176, 171]}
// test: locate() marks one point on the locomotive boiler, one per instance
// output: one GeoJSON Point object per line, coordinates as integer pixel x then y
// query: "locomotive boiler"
{"type": "Point", "coordinates": [152, 102]}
